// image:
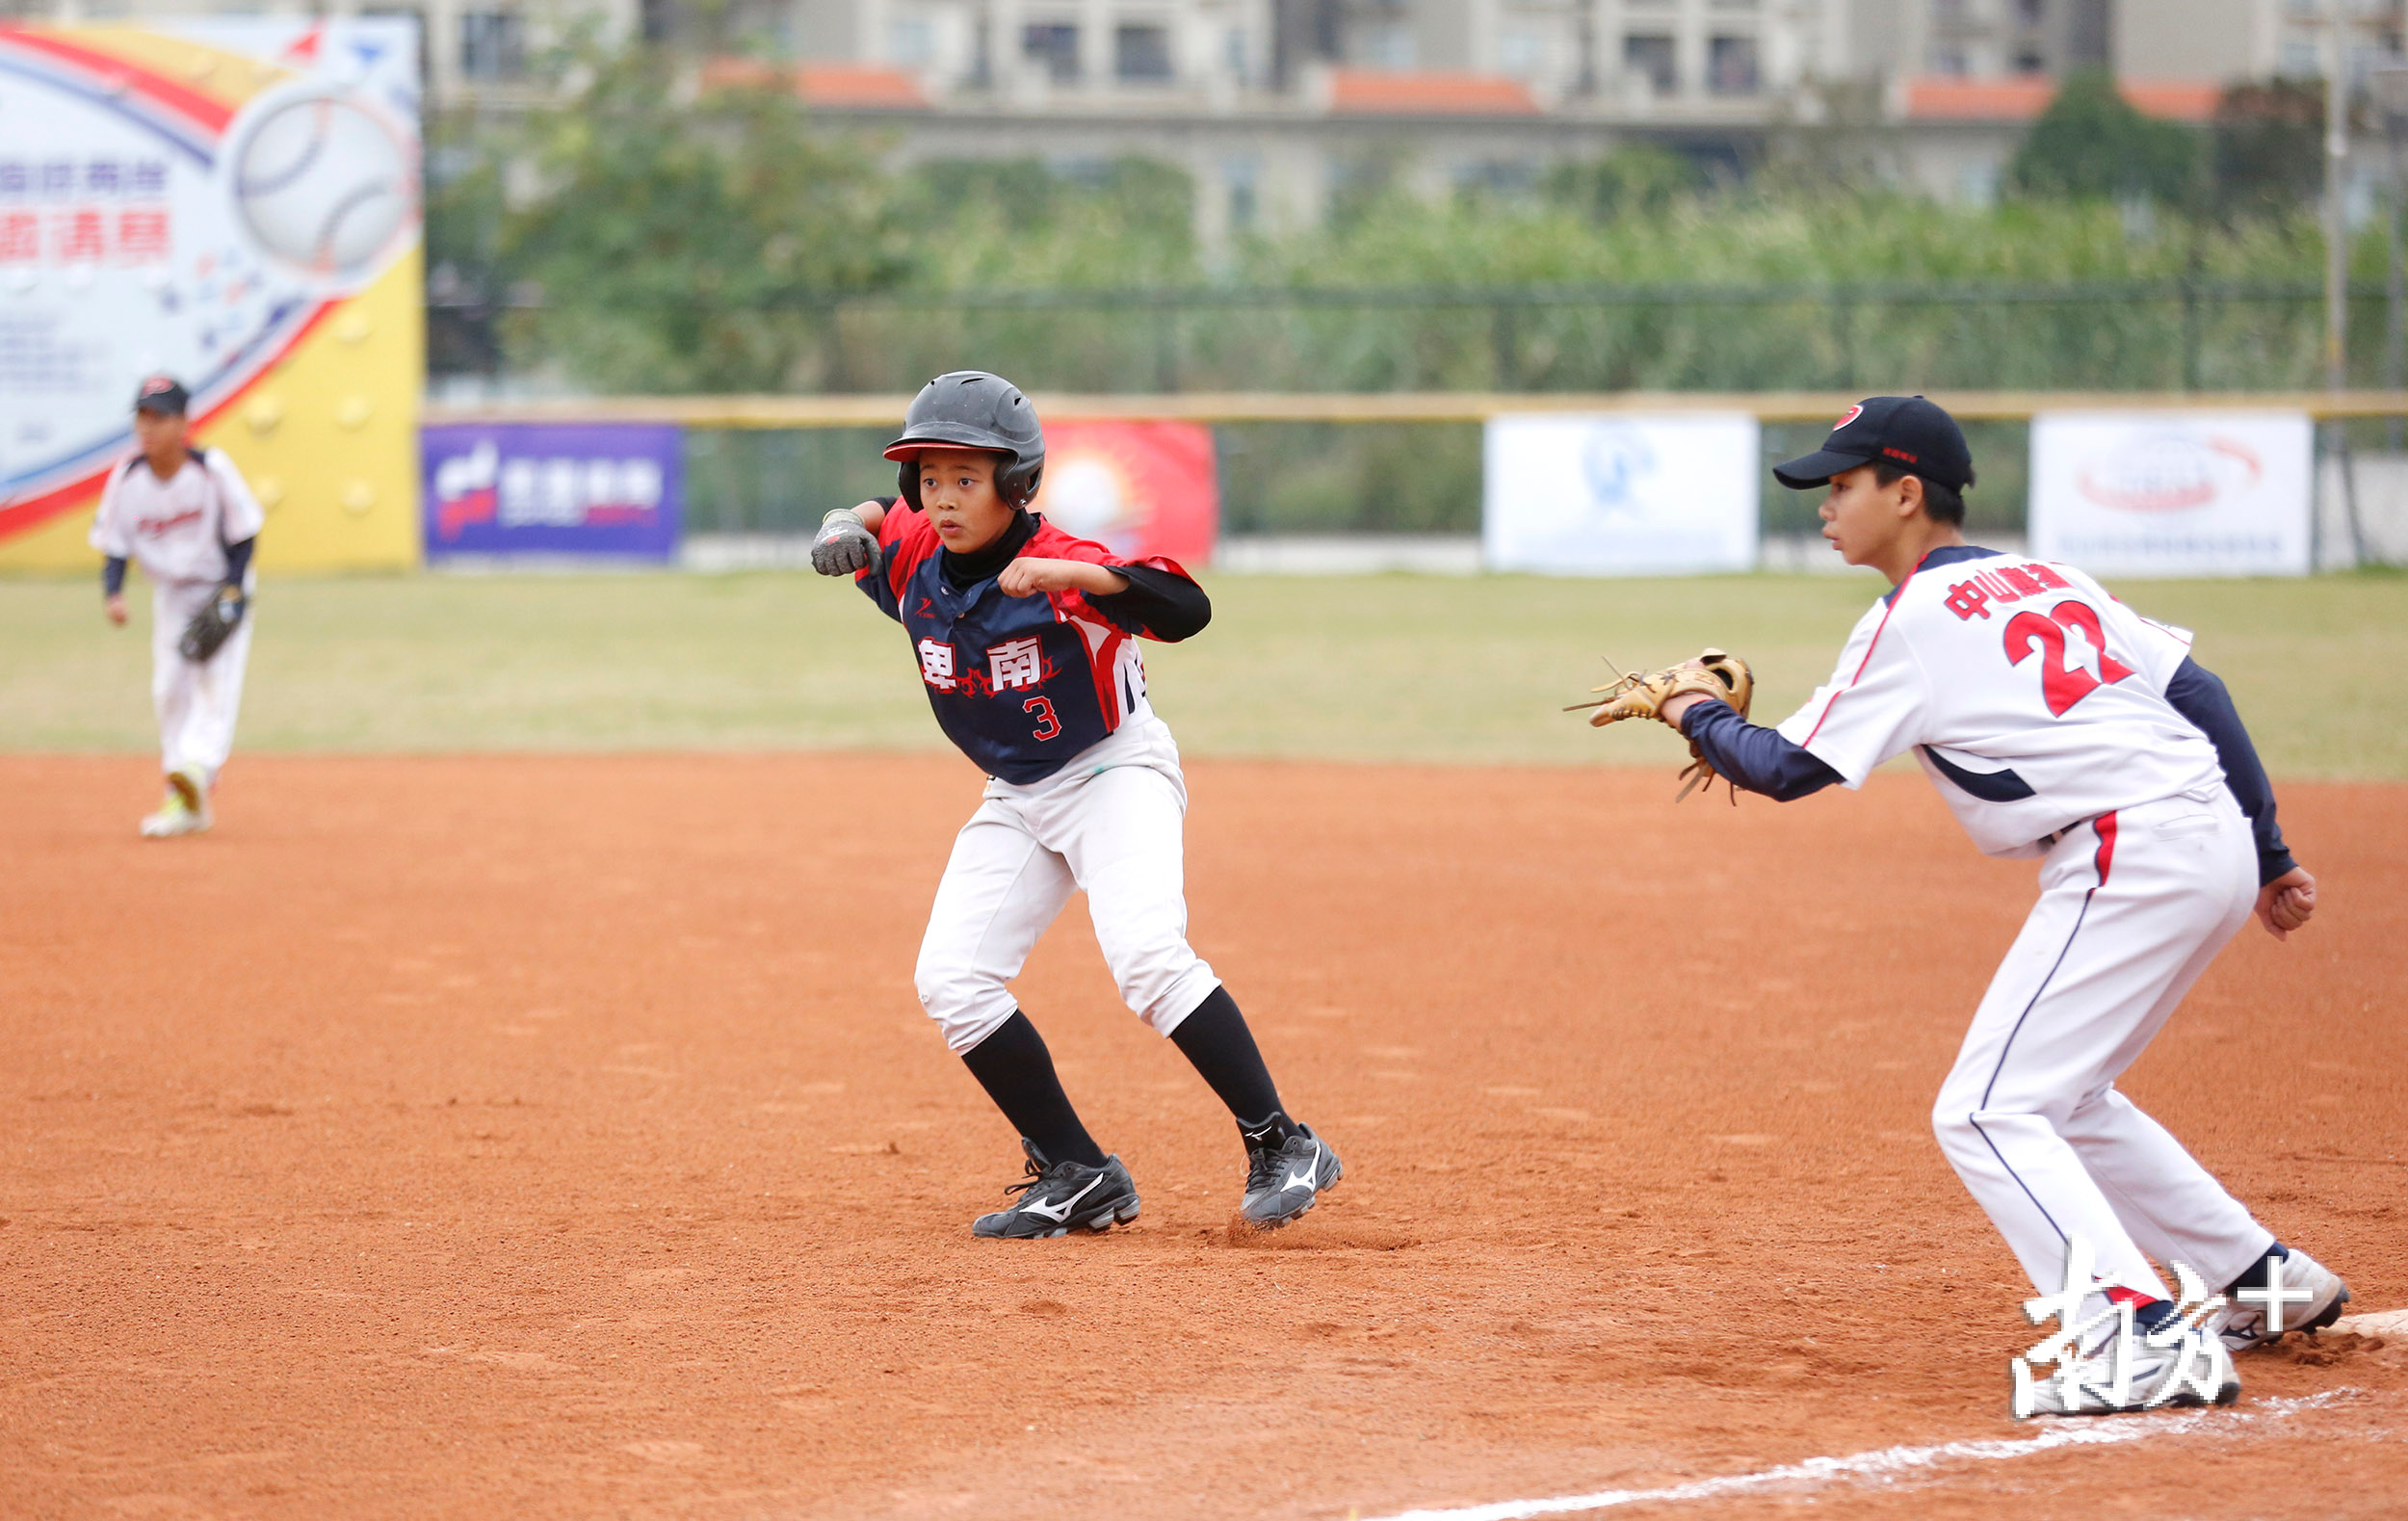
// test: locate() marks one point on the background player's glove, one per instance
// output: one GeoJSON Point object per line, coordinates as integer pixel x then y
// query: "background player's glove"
{"type": "Point", "coordinates": [214, 624]}
{"type": "Point", "coordinates": [844, 547]}
{"type": "Point", "coordinates": [1714, 674]}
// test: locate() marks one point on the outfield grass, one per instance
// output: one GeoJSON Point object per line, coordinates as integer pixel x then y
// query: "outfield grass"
{"type": "Point", "coordinates": [1382, 667]}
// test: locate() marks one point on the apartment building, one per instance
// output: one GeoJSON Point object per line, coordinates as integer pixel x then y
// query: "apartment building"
{"type": "Point", "coordinates": [1274, 105]}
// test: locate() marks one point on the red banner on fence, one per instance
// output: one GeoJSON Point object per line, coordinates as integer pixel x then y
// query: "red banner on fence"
{"type": "Point", "coordinates": [1137, 488]}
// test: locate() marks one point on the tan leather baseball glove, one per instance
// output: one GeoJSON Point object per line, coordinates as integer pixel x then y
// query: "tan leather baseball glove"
{"type": "Point", "coordinates": [1715, 673]}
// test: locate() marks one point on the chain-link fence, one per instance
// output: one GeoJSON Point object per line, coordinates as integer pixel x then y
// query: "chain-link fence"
{"type": "Point", "coordinates": [2173, 335]}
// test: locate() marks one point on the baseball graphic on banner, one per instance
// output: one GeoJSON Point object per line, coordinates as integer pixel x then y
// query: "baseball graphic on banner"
{"type": "Point", "coordinates": [320, 182]}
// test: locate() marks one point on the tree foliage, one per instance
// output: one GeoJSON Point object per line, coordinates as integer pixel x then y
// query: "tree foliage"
{"type": "Point", "coordinates": [680, 238]}
{"type": "Point", "coordinates": [649, 235]}
{"type": "Point", "coordinates": [1640, 179]}
{"type": "Point", "coordinates": [2092, 144]}
{"type": "Point", "coordinates": [2270, 145]}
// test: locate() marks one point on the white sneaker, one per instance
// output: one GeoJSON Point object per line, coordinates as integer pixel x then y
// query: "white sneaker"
{"type": "Point", "coordinates": [2243, 1324]}
{"type": "Point", "coordinates": [185, 810]}
{"type": "Point", "coordinates": [2193, 1370]}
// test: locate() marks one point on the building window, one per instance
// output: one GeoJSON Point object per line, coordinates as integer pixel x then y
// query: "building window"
{"type": "Point", "coordinates": [493, 44]}
{"type": "Point", "coordinates": [1731, 65]}
{"type": "Point", "coordinates": [2030, 11]}
{"type": "Point", "coordinates": [1947, 62]}
{"type": "Point", "coordinates": [1389, 45]}
{"type": "Point", "coordinates": [1237, 59]}
{"type": "Point", "coordinates": [2029, 61]}
{"type": "Point", "coordinates": [1651, 58]}
{"type": "Point", "coordinates": [1142, 54]}
{"type": "Point", "coordinates": [1522, 55]}
{"type": "Point", "coordinates": [1055, 44]}
{"type": "Point", "coordinates": [910, 41]}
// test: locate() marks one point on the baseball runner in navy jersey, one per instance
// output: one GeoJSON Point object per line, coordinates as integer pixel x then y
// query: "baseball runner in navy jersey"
{"type": "Point", "coordinates": [1026, 639]}
{"type": "Point", "coordinates": [2058, 724]}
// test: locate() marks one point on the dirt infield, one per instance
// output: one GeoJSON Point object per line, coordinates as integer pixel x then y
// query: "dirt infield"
{"type": "Point", "coordinates": [559, 1136]}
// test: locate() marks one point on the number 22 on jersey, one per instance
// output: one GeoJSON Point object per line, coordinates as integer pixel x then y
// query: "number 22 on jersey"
{"type": "Point", "coordinates": [2063, 684]}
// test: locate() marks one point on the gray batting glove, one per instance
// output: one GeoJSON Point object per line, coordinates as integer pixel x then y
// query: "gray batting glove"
{"type": "Point", "coordinates": [844, 547]}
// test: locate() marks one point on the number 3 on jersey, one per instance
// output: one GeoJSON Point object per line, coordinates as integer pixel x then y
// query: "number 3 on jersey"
{"type": "Point", "coordinates": [2063, 684]}
{"type": "Point", "coordinates": [1048, 726]}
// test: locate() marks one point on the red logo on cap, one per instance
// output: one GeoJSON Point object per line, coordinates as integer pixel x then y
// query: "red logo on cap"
{"type": "Point", "coordinates": [158, 384]}
{"type": "Point", "coordinates": [1848, 417]}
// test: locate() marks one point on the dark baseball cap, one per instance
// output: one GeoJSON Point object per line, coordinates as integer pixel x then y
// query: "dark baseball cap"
{"type": "Point", "coordinates": [163, 394]}
{"type": "Point", "coordinates": [1907, 432]}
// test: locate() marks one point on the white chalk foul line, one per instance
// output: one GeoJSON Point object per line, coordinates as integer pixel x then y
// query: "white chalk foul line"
{"type": "Point", "coordinates": [1889, 1462]}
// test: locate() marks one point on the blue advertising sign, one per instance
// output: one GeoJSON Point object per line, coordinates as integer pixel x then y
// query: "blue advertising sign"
{"type": "Point", "coordinates": [553, 488]}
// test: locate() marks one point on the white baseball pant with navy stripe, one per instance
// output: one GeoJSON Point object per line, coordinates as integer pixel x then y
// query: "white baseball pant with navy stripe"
{"type": "Point", "coordinates": [2132, 907]}
{"type": "Point", "coordinates": [1112, 822]}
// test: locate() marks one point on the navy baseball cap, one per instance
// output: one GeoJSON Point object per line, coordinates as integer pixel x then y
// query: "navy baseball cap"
{"type": "Point", "coordinates": [1907, 432]}
{"type": "Point", "coordinates": [163, 394]}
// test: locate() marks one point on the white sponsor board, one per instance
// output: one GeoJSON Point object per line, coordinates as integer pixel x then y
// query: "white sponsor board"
{"type": "Point", "coordinates": [2187, 493]}
{"type": "Point", "coordinates": [1605, 494]}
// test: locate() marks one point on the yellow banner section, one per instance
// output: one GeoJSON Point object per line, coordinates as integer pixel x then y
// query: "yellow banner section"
{"type": "Point", "coordinates": [328, 438]}
{"type": "Point", "coordinates": [327, 435]}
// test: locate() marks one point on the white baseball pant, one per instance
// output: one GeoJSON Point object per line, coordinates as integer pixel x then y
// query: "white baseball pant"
{"type": "Point", "coordinates": [196, 703]}
{"type": "Point", "coordinates": [2132, 907]}
{"type": "Point", "coordinates": [1109, 824]}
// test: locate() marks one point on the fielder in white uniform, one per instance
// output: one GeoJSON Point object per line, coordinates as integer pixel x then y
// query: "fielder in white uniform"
{"type": "Point", "coordinates": [189, 519]}
{"type": "Point", "coordinates": [2061, 725]}
{"type": "Point", "coordinates": [1026, 641]}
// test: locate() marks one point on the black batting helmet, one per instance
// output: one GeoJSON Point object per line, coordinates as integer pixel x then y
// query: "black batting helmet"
{"type": "Point", "coordinates": [973, 409]}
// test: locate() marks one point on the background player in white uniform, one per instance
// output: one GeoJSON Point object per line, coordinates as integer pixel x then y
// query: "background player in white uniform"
{"type": "Point", "coordinates": [2058, 724]}
{"type": "Point", "coordinates": [188, 518]}
{"type": "Point", "coordinates": [1027, 644]}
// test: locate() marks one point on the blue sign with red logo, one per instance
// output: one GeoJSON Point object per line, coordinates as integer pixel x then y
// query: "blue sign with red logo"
{"type": "Point", "coordinates": [553, 488]}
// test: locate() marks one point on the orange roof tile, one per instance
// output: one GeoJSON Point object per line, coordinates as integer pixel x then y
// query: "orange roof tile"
{"type": "Point", "coordinates": [859, 88]}
{"type": "Point", "coordinates": [1360, 92]}
{"type": "Point", "coordinates": [2022, 99]}
{"type": "Point", "coordinates": [2175, 99]}
{"type": "Point", "coordinates": [846, 87]}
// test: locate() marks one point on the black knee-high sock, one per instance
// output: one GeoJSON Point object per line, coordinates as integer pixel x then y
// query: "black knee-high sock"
{"type": "Point", "coordinates": [1216, 1039]}
{"type": "Point", "coordinates": [1017, 1072]}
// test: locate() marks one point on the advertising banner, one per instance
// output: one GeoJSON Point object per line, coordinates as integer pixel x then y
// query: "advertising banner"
{"type": "Point", "coordinates": [1137, 488]}
{"type": "Point", "coordinates": [2187, 493]}
{"type": "Point", "coordinates": [1609, 495]}
{"type": "Point", "coordinates": [554, 489]}
{"type": "Point", "coordinates": [234, 202]}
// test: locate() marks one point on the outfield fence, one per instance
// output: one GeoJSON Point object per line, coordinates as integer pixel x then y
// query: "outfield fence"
{"type": "Point", "coordinates": [1408, 465]}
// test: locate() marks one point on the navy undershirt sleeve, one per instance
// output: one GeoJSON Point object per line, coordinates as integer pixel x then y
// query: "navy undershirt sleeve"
{"type": "Point", "coordinates": [1759, 759]}
{"type": "Point", "coordinates": [113, 575]}
{"type": "Point", "coordinates": [1156, 603]}
{"type": "Point", "coordinates": [2198, 694]}
{"type": "Point", "coordinates": [238, 559]}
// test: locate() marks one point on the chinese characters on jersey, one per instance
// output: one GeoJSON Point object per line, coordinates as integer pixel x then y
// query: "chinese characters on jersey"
{"type": "Point", "coordinates": [1013, 665]}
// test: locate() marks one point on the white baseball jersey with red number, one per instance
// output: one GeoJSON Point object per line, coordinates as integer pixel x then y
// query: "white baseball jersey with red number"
{"type": "Point", "coordinates": [2032, 698]}
{"type": "Point", "coordinates": [2036, 702]}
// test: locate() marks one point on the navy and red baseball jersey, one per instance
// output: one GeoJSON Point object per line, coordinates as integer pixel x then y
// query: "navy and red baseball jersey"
{"type": "Point", "coordinates": [1022, 684]}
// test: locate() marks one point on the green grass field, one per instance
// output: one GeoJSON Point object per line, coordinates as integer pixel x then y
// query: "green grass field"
{"type": "Point", "coordinates": [1382, 667]}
